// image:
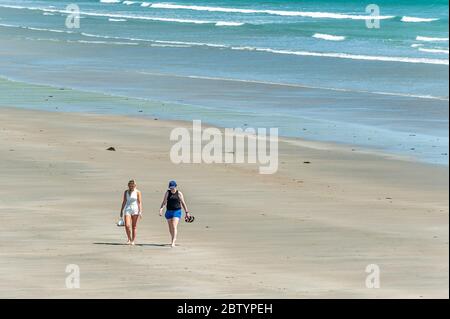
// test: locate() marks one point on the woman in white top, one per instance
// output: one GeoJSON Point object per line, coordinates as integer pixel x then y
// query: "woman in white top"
{"type": "Point", "coordinates": [132, 209]}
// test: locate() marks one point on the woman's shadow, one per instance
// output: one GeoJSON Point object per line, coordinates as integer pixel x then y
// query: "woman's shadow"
{"type": "Point", "coordinates": [140, 245]}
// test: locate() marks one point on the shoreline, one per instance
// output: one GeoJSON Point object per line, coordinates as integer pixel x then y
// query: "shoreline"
{"type": "Point", "coordinates": [248, 240]}
{"type": "Point", "coordinates": [159, 105]}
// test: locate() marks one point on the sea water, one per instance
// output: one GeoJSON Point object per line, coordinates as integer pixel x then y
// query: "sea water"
{"type": "Point", "coordinates": [320, 70]}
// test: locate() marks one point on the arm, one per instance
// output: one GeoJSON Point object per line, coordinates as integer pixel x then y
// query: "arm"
{"type": "Point", "coordinates": [183, 203]}
{"type": "Point", "coordinates": [163, 204]}
{"type": "Point", "coordinates": [139, 198]}
{"type": "Point", "coordinates": [124, 201]}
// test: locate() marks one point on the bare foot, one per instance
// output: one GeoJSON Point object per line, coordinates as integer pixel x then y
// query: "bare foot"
{"type": "Point", "coordinates": [172, 245]}
{"type": "Point", "coordinates": [129, 242]}
{"type": "Point", "coordinates": [132, 243]}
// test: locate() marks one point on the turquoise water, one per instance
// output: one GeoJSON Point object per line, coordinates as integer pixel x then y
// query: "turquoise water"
{"type": "Point", "coordinates": [275, 25]}
{"type": "Point", "coordinates": [312, 68]}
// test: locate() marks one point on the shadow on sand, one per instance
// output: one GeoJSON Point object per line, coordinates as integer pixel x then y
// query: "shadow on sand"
{"type": "Point", "coordinates": [140, 245]}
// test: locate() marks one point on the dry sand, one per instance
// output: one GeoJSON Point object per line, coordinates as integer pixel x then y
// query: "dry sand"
{"type": "Point", "coordinates": [308, 231]}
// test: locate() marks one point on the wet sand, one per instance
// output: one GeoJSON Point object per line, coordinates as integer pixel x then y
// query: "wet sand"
{"type": "Point", "coordinates": [308, 231]}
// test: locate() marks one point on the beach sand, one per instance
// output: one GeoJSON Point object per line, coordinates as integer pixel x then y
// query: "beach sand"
{"type": "Point", "coordinates": [308, 231]}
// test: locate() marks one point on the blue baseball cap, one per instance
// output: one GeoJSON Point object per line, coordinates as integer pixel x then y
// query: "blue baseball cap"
{"type": "Point", "coordinates": [172, 184]}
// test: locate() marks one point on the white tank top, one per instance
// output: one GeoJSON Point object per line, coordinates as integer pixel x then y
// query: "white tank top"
{"type": "Point", "coordinates": [132, 201]}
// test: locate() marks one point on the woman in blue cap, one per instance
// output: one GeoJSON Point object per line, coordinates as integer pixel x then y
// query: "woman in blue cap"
{"type": "Point", "coordinates": [173, 201]}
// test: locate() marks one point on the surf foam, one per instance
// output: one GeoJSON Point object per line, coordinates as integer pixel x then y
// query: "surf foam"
{"type": "Point", "coordinates": [328, 37]}
{"type": "Point", "coordinates": [430, 39]}
{"type": "Point", "coordinates": [414, 19]}
{"type": "Point", "coordinates": [329, 15]}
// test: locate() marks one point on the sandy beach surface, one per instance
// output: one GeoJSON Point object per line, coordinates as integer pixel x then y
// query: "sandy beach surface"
{"type": "Point", "coordinates": [308, 231]}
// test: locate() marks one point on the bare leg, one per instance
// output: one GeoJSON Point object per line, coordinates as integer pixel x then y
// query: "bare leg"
{"type": "Point", "coordinates": [174, 230]}
{"type": "Point", "coordinates": [127, 219]}
{"type": "Point", "coordinates": [134, 221]}
{"type": "Point", "coordinates": [169, 223]}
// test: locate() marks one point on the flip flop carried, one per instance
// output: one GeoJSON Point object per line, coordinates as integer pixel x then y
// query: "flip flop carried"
{"type": "Point", "coordinates": [189, 219]}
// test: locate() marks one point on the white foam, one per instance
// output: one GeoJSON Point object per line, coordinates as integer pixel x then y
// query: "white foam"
{"type": "Point", "coordinates": [130, 16]}
{"type": "Point", "coordinates": [90, 35]}
{"type": "Point", "coordinates": [429, 39]}
{"type": "Point", "coordinates": [287, 52]}
{"type": "Point", "coordinates": [415, 19]}
{"type": "Point", "coordinates": [170, 46]}
{"type": "Point", "coordinates": [328, 37]}
{"type": "Point", "coordinates": [276, 51]}
{"type": "Point", "coordinates": [348, 56]}
{"type": "Point", "coordinates": [416, 45]}
{"type": "Point", "coordinates": [439, 51]}
{"type": "Point", "coordinates": [35, 29]}
{"type": "Point", "coordinates": [102, 42]}
{"type": "Point", "coordinates": [160, 19]}
{"type": "Point", "coordinates": [229, 24]}
{"type": "Point", "coordinates": [116, 20]}
{"type": "Point", "coordinates": [42, 39]}
{"type": "Point", "coordinates": [211, 45]}
{"type": "Point", "coordinates": [9, 25]}
{"type": "Point", "coordinates": [157, 42]}
{"type": "Point", "coordinates": [145, 4]}
{"type": "Point", "coordinates": [47, 30]}
{"type": "Point", "coordinates": [48, 14]}
{"type": "Point", "coordinates": [110, 1]}
{"type": "Point", "coordinates": [329, 15]}
{"type": "Point", "coordinates": [129, 3]}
